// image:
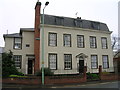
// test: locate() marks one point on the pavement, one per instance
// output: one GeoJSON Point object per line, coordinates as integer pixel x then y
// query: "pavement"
{"type": "Point", "coordinates": [54, 86]}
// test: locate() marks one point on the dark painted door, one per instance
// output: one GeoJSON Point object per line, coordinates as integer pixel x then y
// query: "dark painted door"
{"type": "Point", "coordinates": [30, 66]}
{"type": "Point", "coordinates": [81, 66]}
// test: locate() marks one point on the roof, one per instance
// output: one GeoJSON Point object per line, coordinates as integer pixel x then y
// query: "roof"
{"type": "Point", "coordinates": [12, 35]}
{"type": "Point", "coordinates": [27, 29]}
{"type": "Point", "coordinates": [19, 34]}
{"type": "Point", "coordinates": [74, 22]}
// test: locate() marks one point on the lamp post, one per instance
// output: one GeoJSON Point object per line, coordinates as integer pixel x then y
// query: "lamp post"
{"type": "Point", "coordinates": [43, 43]}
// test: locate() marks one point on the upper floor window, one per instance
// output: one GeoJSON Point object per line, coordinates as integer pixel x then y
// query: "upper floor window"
{"type": "Point", "coordinates": [18, 59]}
{"type": "Point", "coordinates": [93, 42]}
{"type": "Point", "coordinates": [94, 61]}
{"type": "Point", "coordinates": [80, 41]}
{"type": "Point", "coordinates": [52, 39]}
{"type": "Point", "coordinates": [67, 40]}
{"type": "Point", "coordinates": [105, 61]}
{"type": "Point", "coordinates": [53, 61]}
{"type": "Point", "coordinates": [104, 42]}
{"type": "Point", "coordinates": [17, 43]}
{"type": "Point", "coordinates": [67, 61]}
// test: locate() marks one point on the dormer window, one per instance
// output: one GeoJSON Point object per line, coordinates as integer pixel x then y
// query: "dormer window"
{"type": "Point", "coordinates": [17, 43]}
{"type": "Point", "coordinates": [59, 21]}
{"type": "Point", "coordinates": [95, 25]}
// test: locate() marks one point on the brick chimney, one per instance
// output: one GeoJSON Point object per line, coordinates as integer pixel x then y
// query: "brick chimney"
{"type": "Point", "coordinates": [37, 37]}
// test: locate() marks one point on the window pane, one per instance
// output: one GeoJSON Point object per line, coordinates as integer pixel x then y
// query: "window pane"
{"type": "Point", "coordinates": [18, 59]}
{"type": "Point", "coordinates": [104, 43]}
{"type": "Point", "coordinates": [17, 43]}
{"type": "Point", "coordinates": [80, 41]}
{"type": "Point", "coordinates": [93, 42]}
{"type": "Point", "coordinates": [67, 40]}
{"type": "Point", "coordinates": [53, 61]}
{"type": "Point", "coordinates": [52, 39]}
{"type": "Point", "coordinates": [105, 61]}
{"type": "Point", "coordinates": [68, 61]}
{"type": "Point", "coordinates": [94, 61]}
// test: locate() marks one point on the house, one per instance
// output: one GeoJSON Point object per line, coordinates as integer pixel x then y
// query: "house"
{"type": "Point", "coordinates": [69, 45]}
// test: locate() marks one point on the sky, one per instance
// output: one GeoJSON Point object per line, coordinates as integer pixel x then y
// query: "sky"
{"type": "Point", "coordinates": [16, 14]}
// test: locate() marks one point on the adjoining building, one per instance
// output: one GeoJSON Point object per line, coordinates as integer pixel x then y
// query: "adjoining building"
{"type": "Point", "coordinates": [69, 45]}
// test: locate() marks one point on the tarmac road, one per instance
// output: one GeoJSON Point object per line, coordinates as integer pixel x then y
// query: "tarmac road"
{"type": "Point", "coordinates": [114, 85]}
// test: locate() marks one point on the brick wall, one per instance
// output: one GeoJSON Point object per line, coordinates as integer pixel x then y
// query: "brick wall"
{"type": "Point", "coordinates": [48, 80]}
{"type": "Point", "coordinates": [64, 80]}
{"type": "Point", "coordinates": [108, 76]}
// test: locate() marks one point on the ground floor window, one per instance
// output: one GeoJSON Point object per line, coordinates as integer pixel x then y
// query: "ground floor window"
{"type": "Point", "coordinates": [105, 61]}
{"type": "Point", "coordinates": [52, 61]}
{"type": "Point", "coordinates": [18, 59]}
{"type": "Point", "coordinates": [67, 61]}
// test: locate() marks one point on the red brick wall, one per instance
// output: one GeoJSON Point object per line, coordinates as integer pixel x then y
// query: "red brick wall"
{"type": "Point", "coordinates": [109, 77]}
{"type": "Point", "coordinates": [24, 81]}
{"type": "Point", "coordinates": [48, 80]}
{"type": "Point", "coordinates": [64, 80]}
{"type": "Point", "coordinates": [37, 35]}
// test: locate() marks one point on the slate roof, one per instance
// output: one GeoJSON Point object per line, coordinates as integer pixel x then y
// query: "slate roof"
{"type": "Point", "coordinates": [65, 21]}
{"type": "Point", "coordinates": [12, 35]}
{"type": "Point", "coordinates": [19, 34]}
{"type": "Point", "coordinates": [74, 22]}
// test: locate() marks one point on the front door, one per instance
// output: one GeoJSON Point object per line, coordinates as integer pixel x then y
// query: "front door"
{"type": "Point", "coordinates": [30, 63]}
{"type": "Point", "coordinates": [81, 66]}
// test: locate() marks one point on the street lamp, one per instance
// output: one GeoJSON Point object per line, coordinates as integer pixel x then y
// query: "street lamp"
{"type": "Point", "coordinates": [43, 43]}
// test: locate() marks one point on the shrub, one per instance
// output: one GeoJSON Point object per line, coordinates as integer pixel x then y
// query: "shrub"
{"type": "Point", "coordinates": [47, 72]}
{"type": "Point", "coordinates": [92, 76]}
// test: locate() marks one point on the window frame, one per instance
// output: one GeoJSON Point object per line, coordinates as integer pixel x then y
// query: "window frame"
{"type": "Point", "coordinates": [49, 44]}
{"type": "Point", "coordinates": [20, 61]}
{"type": "Point", "coordinates": [83, 43]}
{"type": "Point", "coordinates": [67, 40]}
{"type": "Point", "coordinates": [103, 43]}
{"type": "Point", "coordinates": [69, 61]}
{"type": "Point", "coordinates": [17, 43]}
{"type": "Point", "coordinates": [95, 44]}
{"type": "Point", "coordinates": [49, 60]}
{"type": "Point", "coordinates": [105, 62]}
{"type": "Point", "coordinates": [94, 62]}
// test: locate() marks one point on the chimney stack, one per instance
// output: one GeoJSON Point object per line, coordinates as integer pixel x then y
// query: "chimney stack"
{"type": "Point", "coordinates": [37, 37]}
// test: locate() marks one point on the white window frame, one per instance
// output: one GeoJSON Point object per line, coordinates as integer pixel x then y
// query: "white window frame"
{"type": "Point", "coordinates": [80, 41]}
{"type": "Point", "coordinates": [94, 61]}
{"type": "Point", "coordinates": [52, 61]}
{"type": "Point", "coordinates": [18, 61]}
{"type": "Point", "coordinates": [52, 39]}
{"type": "Point", "coordinates": [105, 61]}
{"type": "Point", "coordinates": [17, 43]}
{"type": "Point", "coordinates": [67, 61]}
{"type": "Point", "coordinates": [67, 40]}
{"type": "Point", "coordinates": [104, 42]}
{"type": "Point", "coordinates": [93, 42]}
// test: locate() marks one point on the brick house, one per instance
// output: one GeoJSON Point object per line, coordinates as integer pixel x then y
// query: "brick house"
{"type": "Point", "coordinates": [69, 45]}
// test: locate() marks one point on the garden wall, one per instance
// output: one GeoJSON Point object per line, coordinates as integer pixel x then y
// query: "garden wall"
{"type": "Point", "coordinates": [108, 76]}
{"type": "Point", "coordinates": [36, 80]}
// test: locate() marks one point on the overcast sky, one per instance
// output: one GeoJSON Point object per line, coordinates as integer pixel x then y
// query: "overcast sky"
{"type": "Point", "coordinates": [16, 14]}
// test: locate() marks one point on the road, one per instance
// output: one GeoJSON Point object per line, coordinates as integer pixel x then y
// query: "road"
{"type": "Point", "coordinates": [114, 84]}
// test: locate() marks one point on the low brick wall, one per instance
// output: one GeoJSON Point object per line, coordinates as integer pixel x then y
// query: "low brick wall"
{"type": "Point", "coordinates": [22, 80]}
{"type": "Point", "coordinates": [109, 77]}
{"type": "Point", "coordinates": [64, 79]}
{"type": "Point", "coordinates": [48, 80]}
